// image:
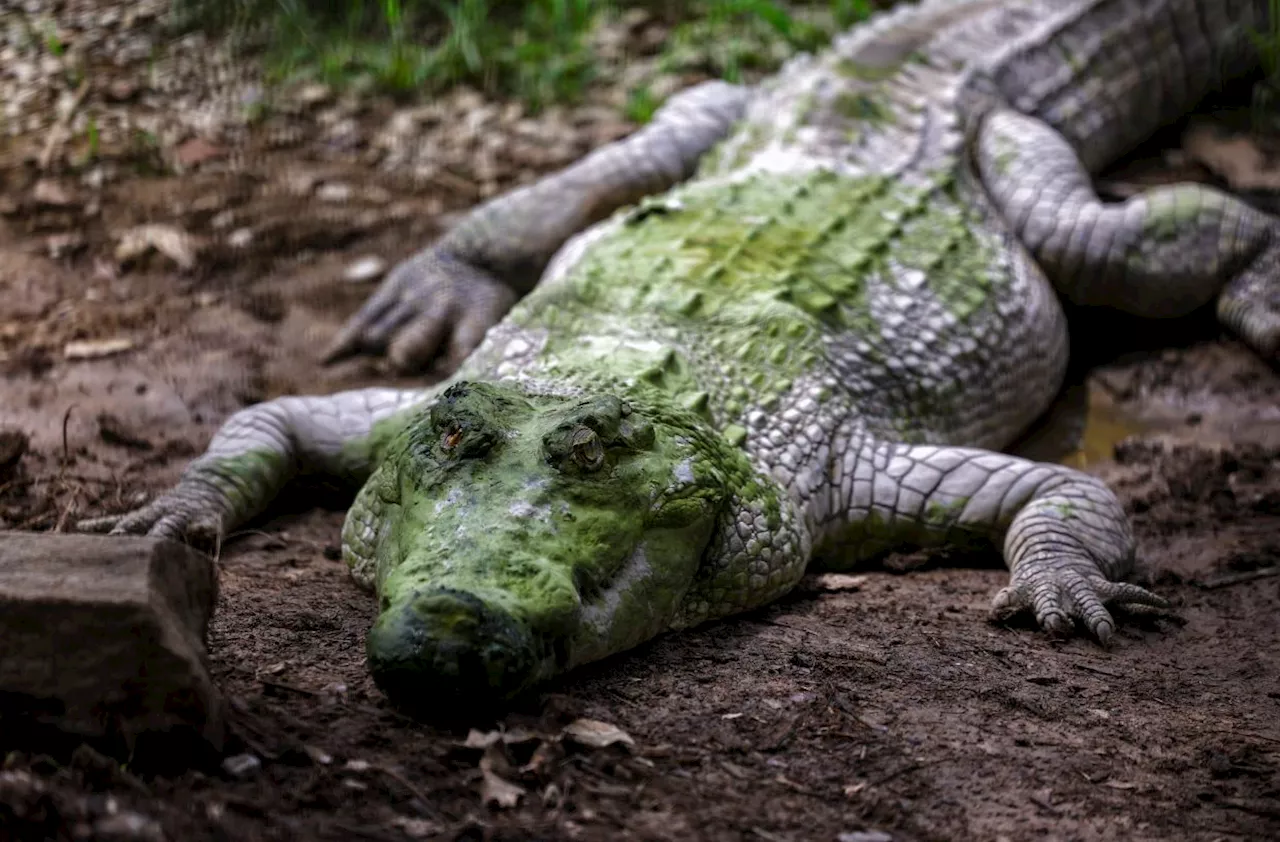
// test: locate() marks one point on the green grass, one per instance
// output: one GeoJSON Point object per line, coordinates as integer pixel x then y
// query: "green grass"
{"type": "Point", "coordinates": [1266, 93]}
{"type": "Point", "coordinates": [537, 51]}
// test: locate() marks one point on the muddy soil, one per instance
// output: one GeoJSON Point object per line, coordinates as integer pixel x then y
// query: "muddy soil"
{"type": "Point", "coordinates": [875, 706]}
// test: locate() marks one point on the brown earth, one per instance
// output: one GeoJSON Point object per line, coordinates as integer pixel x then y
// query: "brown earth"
{"type": "Point", "coordinates": [878, 704]}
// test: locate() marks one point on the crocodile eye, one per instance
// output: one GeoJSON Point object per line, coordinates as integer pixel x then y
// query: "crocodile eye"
{"type": "Point", "coordinates": [451, 437]}
{"type": "Point", "coordinates": [587, 449]}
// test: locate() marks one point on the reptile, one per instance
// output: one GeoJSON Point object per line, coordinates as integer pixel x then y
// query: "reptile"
{"type": "Point", "coordinates": [778, 329]}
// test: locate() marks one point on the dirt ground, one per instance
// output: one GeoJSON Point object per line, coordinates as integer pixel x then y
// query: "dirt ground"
{"type": "Point", "coordinates": [871, 707]}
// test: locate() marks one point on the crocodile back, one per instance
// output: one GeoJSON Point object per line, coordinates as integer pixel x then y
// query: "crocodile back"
{"type": "Point", "coordinates": [834, 266]}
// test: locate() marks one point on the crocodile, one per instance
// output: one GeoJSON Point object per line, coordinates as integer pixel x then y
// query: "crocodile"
{"type": "Point", "coordinates": [778, 329]}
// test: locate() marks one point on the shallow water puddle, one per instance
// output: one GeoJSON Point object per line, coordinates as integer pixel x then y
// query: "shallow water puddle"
{"type": "Point", "coordinates": [1106, 424]}
{"type": "Point", "coordinates": [1083, 427]}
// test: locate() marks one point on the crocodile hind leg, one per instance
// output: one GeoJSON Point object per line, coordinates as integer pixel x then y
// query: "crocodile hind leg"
{"type": "Point", "coordinates": [452, 292]}
{"type": "Point", "coordinates": [1066, 538]}
{"type": "Point", "coordinates": [1162, 253]}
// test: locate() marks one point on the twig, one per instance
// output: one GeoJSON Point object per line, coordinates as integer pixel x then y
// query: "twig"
{"type": "Point", "coordinates": [58, 133]}
{"type": "Point", "coordinates": [66, 510]}
{"type": "Point", "coordinates": [905, 770]}
{"type": "Point", "coordinates": [1098, 670]}
{"type": "Point", "coordinates": [284, 685]}
{"type": "Point", "coordinates": [260, 533]}
{"type": "Point", "coordinates": [406, 783]}
{"type": "Point", "coordinates": [1238, 578]}
{"type": "Point", "coordinates": [66, 418]}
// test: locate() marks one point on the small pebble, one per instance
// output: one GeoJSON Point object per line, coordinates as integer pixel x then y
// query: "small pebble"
{"type": "Point", "coordinates": [242, 765]}
{"type": "Point", "coordinates": [127, 826]}
{"type": "Point", "coordinates": [368, 268]}
{"type": "Point", "coordinates": [865, 836]}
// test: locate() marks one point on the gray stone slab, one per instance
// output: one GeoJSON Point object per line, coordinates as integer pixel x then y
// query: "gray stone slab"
{"type": "Point", "coordinates": [104, 635]}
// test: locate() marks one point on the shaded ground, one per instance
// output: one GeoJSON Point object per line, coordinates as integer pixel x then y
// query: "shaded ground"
{"type": "Point", "coordinates": [882, 702]}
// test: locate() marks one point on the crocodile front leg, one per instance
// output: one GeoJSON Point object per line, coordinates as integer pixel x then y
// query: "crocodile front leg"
{"type": "Point", "coordinates": [1162, 253]}
{"type": "Point", "coordinates": [259, 449]}
{"type": "Point", "coordinates": [1066, 538]}
{"type": "Point", "coordinates": [466, 282]}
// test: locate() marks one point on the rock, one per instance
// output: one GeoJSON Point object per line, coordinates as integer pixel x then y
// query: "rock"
{"type": "Point", "coordinates": [368, 268]}
{"type": "Point", "coordinates": [314, 94]}
{"type": "Point", "coordinates": [865, 836]}
{"type": "Point", "coordinates": [242, 766]}
{"type": "Point", "coordinates": [104, 636]}
{"type": "Point", "coordinates": [336, 192]}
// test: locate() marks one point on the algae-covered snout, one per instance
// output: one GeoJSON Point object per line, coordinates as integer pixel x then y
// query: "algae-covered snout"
{"type": "Point", "coordinates": [512, 536]}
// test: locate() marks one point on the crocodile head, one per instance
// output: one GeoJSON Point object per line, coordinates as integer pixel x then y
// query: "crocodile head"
{"type": "Point", "coordinates": [515, 536]}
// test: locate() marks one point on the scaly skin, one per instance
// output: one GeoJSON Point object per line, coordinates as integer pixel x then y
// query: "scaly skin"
{"type": "Point", "coordinates": [805, 356]}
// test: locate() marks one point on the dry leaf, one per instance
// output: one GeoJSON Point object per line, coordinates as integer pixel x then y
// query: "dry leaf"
{"type": "Point", "coordinates": [839, 582]}
{"type": "Point", "coordinates": [1120, 785]}
{"type": "Point", "coordinates": [481, 739]}
{"type": "Point", "coordinates": [52, 193]}
{"type": "Point", "coordinates": [196, 151]}
{"type": "Point", "coordinates": [1234, 157]}
{"type": "Point", "coordinates": [543, 756]}
{"type": "Point", "coordinates": [417, 828]}
{"type": "Point", "coordinates": [518, 735]}
{"type": "Point", "coordinates": [173, 243]}
{"type": "Point", "coordinates": [596, 734]}
{"type": "Point", "coordinates": [498, 791]}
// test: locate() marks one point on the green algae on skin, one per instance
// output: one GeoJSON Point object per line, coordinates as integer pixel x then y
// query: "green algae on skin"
{"type": "Point", "coordinates": [360, 456]}
{"type": "Point", "coordinates": [767, 264]}
{"type": "Point", "coordinates": [585, 519]}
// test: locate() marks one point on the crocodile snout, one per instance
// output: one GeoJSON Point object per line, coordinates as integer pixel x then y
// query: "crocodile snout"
{"type": "Point", "coordinates": [445, 651]}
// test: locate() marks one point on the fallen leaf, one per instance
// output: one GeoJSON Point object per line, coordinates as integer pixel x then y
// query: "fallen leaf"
{"type": "Point", "coordinates": [62, 245]}
{"type": "Point", "coordinates": [518, 735]}
{"type": "Point", "coordinates": [336, 192]}
{"type": "Point", "coordinates": [1236, 158]}
{"type": "Point", "coordinates": [196, 151]}
{"type": "Point", "coordinates": [318, 755]}
{"type": "Point", "coordinates": [596, 734]}
{"type": "Point", "coordinates": [500, 792]}
{"type": "Point", "coordinates": [417, 828]}
{"type": "Point", "coordinates": [1120, 785]}
{"type": "Point", "coordinates": [865, 836]}
{"type": "Point", "coordinates": [543, 756]}
{"type": "Point", "coordinates": [53, 194]}
{"type": "Point", "coordinates": [481, 739]}
{"type": "Point", "coordinates": [173, 243]}
{"type": "Point", "coordinates": [839, 582]}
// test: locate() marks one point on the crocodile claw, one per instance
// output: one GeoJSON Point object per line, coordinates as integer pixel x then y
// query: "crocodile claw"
{"type": "Point", "coordinates": [188, 513]}
{"type": "Point", "coordinates": [431, 304]}
{"type": "Point", "coordinates": [1064, 596]}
